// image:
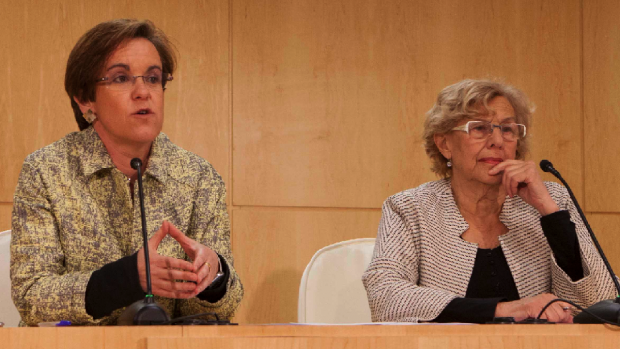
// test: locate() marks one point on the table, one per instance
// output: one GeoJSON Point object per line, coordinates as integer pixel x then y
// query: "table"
{"type": "Point", "coordinates": [315, 336]}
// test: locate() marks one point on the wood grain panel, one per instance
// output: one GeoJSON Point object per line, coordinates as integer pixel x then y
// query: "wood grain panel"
{"type": "Point", "coordinates": [606, 227]}
{"type": "Point", "coordinates": [273, 246]}
{"type": "Point", "coordinates": [329, 97]}
{"type": "Point", "coordinates": [418, 341]}
{"type": "Point", "coordinates": [32, 338]}
{"type": "Point", "coordinates": [601, 71]}
{"type": "Point", "coordinates": [290, 342]}
{"type": "Point", "coordinates": [135, 336]}
{"type": "Point", "coordinates": [6, 210]}
{"type": "Point", "coordinates": [37, 37]}
{"type": "Point", "coordinates": [79, 338]}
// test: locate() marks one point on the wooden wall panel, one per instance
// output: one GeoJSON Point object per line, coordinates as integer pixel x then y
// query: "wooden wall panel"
{"type": "Point", "coordinates": [6, 210]}
{"type": "Point", "coordinates": [601, 71]}
{"type": "Point", "coordinates": [272, 247]}
{"type": "Point", "coordinates": [329, 96]}
{"type": "Point", "coordinates": [37, 37]}
{"type": "Point", "coordinates": [606, 227]}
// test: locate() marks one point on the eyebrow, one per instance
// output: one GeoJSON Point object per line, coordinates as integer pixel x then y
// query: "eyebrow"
{"type": "Point", "coordinates": [509, 119]}
{"type": "Point", "coordinates": [126, 67]}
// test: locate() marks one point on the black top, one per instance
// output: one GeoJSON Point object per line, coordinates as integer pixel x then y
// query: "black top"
{"type": "Point", "coordinates": [117, 285]}
{"type": "Point", "coordinates": [491, 281]}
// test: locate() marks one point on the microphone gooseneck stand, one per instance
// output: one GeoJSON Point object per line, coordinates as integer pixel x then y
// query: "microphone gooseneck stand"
{"type": "Point", "coordinates": [145, 311]}
{"type": "Point", "coordinates": [608, 309]}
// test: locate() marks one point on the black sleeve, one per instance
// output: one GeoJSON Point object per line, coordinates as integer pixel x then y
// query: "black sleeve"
{"type": "Point", "coordinates": [114, 286]}
{"type": "Point", "coordinates": [216, 290]}
{"type": "Point", "coordinates": [469, 310]}
{"type": "Point", "coordinates": [562, 238]}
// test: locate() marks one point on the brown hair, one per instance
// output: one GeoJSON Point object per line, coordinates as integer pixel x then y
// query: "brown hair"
{"type": "Point", "coordinates": [466, 99]}
{"type": "Point", "coordinates": [89, 55]}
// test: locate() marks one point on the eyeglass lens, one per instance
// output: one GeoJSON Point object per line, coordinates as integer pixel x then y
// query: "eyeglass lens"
{"type": "Point", "coordinates": [481, 129]}
{"type": "Point", "coordinates": [126, 82]}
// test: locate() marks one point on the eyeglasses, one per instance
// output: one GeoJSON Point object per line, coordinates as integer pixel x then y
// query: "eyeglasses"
{"type": "Point", "coordinates": [483, 129]}
{"type": "Point", "coordinates": [124, 82]}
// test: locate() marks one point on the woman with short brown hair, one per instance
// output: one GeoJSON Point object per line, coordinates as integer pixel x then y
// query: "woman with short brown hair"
{"type": "Point", "coordinates": [76, 248]}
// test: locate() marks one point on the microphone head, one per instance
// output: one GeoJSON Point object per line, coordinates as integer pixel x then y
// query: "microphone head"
{"type": "Point", "coordinates": [546, 166]}
{"type": "Point", "coordinates": [135, 163]}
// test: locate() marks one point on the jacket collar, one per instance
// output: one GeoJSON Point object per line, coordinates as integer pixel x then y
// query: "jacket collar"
{"type": "Point", "coordinates": [507, 215]}
{"type": "Point", "coordinates": [94, 156]}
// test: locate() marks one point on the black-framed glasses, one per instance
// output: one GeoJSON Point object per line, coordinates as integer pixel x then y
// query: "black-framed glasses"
{"type": "Point", "coordinates": [483, 129]}
{"type": "Point", "coordinates": [125, 82]}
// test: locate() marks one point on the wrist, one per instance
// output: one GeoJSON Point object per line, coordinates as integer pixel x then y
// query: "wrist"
{"type": "Point", "coordinates": [548, 208]}
{"type": "Point", "coordinates": [501, 310]}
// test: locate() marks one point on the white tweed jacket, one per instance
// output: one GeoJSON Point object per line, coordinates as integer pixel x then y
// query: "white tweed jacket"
{"type": "Point", "coordinates": [420, 262]}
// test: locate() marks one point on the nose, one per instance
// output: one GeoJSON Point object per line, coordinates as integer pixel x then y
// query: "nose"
{"type": "Point", "coordinates": [496, 139]}
{"type": "Point", "coordinates": [140, 90]}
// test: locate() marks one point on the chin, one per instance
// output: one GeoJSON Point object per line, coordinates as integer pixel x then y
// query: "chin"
{"type": "Point", "coordinates": [144, 135]}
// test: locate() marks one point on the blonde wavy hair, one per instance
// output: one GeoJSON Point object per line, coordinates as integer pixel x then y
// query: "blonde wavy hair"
{"type": "Point", "coordinates": [467, 99]}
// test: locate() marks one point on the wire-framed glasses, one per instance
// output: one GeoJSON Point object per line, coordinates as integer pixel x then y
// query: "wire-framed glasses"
{"type": "Point", "coordinates": [482, 129]}
{"type": "Point", "coordinates": [125, 82]}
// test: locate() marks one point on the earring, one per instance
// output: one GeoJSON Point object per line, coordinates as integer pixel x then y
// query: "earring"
{"type": "Point", "coordinates": [449, 163]}
{"type": "Point", "coordinates": [90, 117]}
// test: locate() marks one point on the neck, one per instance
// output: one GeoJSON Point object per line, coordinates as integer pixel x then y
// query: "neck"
{"type": "Point", "coordinates": [477, 200]}
{"type": "Point", "coordinates": [122, 153]}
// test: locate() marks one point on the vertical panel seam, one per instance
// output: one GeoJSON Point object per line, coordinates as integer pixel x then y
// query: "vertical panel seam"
{"type": "Point", "coordinates": [583, 112]}
{"type": "Point", "coordinates": [230, 116]}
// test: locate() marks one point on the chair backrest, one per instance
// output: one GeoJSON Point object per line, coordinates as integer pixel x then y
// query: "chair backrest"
{"type": "Point", "coordinates": [331, 289]}
{"type": "Point", "coordinates": [8, 312]}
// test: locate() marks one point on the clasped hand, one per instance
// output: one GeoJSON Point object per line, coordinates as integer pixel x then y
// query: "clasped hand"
{"type": "Point", "coordinates": [173, 277]}
{"type": "Point", "coordinates": [529, 308]}
{"type": "Point", "coordinates": [521, 178]}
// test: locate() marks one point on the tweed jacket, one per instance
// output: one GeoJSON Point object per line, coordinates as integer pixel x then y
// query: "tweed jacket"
{"type": "Point", "coordinates": [73, 213]}
{"type": "Point", "coordinates": [421, 263]}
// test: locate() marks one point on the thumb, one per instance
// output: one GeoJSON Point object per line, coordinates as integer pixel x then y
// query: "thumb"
{"type": "Point", "coordinates": [159, 235]}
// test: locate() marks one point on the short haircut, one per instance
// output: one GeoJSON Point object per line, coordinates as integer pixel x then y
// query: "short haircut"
{"type": "Point", "coordinates": [90, 54]}
{"type": "Point", "coordinates": [467, 99]}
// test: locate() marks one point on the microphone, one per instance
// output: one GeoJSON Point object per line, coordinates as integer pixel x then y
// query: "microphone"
{"type": "Point", "coordinates": [608, 309]}
{"type": "Point", "coordinates": [145, 311]}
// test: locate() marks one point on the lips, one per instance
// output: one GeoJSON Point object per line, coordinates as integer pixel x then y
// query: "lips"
{"type": "Point", "coordinates": [492, 161]}
{"type": "Point", "coordinates": [143, 111]}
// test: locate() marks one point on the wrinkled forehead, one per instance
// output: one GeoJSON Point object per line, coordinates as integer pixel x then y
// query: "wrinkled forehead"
{"type": "Point", "coordinates": [497, 108]}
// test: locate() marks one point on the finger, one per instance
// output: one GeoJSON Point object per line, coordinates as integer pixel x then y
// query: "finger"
{"type": "Point", "coordinates": [513, 178]}
{"type": "Point", "coordinates": [554, 313]}
{"type": "Point", "coordinates": [159, 235]}
{"type": "Point", "coordinates": [502, 166]}
{"type": "Point", "coordinates": [506, 183]}
{"type": "Point", "coordinates": [178, 235]}
{"type": "Point", "coordinates": [173, 274]}
{"type": "Point", "coordinates": [564, 316]}
{"type": "Point", "coordinates": [174, 263]}
{"type": "Point", "coordinates": [203, 284]}
{"type": "Point", "coordinates": [172, 294]}
{"type": "Point", "coordinates": [205, 254]}
{"type": "Point", "coordinates": [206, 271]}
{"type": "Point", "coordinates": [174, 286]}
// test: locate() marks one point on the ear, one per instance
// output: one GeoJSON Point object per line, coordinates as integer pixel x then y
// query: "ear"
{"type": "Point", "coordinates": [85, 106]}
{"type": "Point", "coordinates": [442, 143]}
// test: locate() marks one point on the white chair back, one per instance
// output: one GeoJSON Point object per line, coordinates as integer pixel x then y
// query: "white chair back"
{"type": "Point", "coordinates": [331, 289]}
{"type": "Point", "coordinates": [8, 312]}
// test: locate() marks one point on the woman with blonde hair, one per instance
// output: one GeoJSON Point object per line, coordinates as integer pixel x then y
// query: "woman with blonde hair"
{"type": "Point", "coordinates": [490, 239]}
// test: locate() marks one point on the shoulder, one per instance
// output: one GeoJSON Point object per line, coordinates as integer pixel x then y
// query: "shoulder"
{"type": "Point", "coordinates": [55, 154]}
{"type": "Point", "coordinates": [425, 195]}
{"type": "Point", "coordinates": [186, 167]}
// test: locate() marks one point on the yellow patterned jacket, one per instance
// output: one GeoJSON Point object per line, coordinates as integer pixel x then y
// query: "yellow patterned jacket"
{"type": "Point", "coordinates": [73, 213]}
